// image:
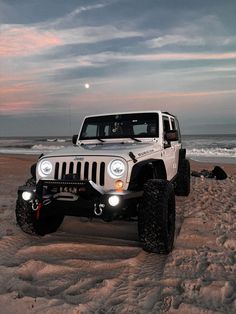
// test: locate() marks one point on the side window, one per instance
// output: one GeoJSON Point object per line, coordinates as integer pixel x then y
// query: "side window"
{"type": "Point", "coordinates": [166, 124]}
{"type": "Point", "coordinates": [178, 129]}
{"type": "Point", "coordinates": [166, 128]}
{"type": "Point", "coordinates": [173, 124]}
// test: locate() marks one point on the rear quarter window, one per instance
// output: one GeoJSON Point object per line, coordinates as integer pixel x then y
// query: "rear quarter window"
{"type": "Point", "coordinates": [166, 124]}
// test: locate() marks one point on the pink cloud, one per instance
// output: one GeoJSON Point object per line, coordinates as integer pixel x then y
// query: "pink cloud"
{"type": "Point", "coordinates": [15, 107]}
{"type": "Point", "coordinates": [22, 41]}
{"type": "Point", "coordinates": [145, 95]}
{"type": "Point", "coordinates": [150, 95]}
{"type": "Point", "coordinates": [100, 102]}
{"type": "Point", "coordinates": [21, 98]}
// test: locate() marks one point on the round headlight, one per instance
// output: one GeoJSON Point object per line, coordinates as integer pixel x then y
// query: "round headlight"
{"type": "Point", "coordinates": [45, 168]}
{"type": "Point", "coordinates": [116, 168]}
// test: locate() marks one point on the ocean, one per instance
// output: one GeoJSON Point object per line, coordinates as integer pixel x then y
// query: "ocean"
{"type": "Point", "coordinates": [208, 148]}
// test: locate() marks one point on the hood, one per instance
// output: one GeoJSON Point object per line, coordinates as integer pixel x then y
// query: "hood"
{"type": "Point", "coordinates": [108, 149]}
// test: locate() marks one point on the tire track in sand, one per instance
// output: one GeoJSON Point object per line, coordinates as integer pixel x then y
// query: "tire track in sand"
{"type": "Point", "coordinates": [10, 245]}
{"type": "Point", "coordinates": [137, 287]}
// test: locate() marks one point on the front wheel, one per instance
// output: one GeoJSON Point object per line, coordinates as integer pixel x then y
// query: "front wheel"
{"type": "Point", "coordinates": [31, 223]}
{"type": "Point", "coordinates": [156, 217]}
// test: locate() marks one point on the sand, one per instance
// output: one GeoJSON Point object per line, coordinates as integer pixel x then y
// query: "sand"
{"type": "Point", "coordinates": [97, 267]}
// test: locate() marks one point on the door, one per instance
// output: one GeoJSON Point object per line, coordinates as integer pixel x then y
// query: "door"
{"type": "Point", "coordinates": [170, 150]}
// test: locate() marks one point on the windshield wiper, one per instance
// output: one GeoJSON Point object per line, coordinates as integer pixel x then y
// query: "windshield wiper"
{"type": "Point", "coordinates": [99, 139]}
{"type": "Point", "coordinates": [135, 139]}
{"type": "Point", "coordinates": [96, 138]}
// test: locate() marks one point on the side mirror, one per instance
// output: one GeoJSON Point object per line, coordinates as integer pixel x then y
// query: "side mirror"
{"type": "Point", "coordinates": [171, 135]}
{"type": "Point", "coordinates": [74, 139]}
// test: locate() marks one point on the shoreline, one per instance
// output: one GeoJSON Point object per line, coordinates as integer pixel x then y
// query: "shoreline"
{"type": "Point", "coordinates": [196, 165]}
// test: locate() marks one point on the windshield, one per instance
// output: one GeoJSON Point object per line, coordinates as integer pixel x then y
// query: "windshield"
{"type": "Point", "coordinates": [120, 126]}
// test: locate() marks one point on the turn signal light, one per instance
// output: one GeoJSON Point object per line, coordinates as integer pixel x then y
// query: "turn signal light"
{"type": "Point", "coordinates": [119, 185]}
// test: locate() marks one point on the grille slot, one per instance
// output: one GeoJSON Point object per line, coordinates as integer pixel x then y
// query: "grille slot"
{"type": "Point", "coordinates": [102, 173]}
{"type": "Point", "coordinates": [86, 170]}
{"type": "Point", "coordinates": [63, 172]}
{"type": "Point", "coordinates": [94, 171]}
{"type": "Point", "coordinates": [78, 169]}
{"type": "Point", "coordinates": [56, 170]}
{"type": "Point", "coordinates": [71, 167]}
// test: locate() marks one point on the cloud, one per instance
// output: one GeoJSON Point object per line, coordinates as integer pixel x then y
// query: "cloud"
{"type": "Point", "coordinates": [180, 40]}
{"type": "Point", "coordinates": [15, 107]}
{"type": "Point", "coordinates": [94, 34]}
{"type": "Point", "coordinates": [71, 18]}
{"type": "Point", "coordinates": [182, 56]}
{"type": "Point", "coordinates": [129, 98]}
{"type": "Point", "coordinates": [81, 9]}
{"type": "Point", "coordinates": [202, 31]}
{"type": "Point", "coordinates": [105, 58]}
{"type": "Point", "coordinates": [19, 40]}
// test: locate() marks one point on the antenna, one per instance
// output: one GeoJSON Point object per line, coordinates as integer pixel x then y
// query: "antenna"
{"type": "Point", "coordinates": [69, 118]}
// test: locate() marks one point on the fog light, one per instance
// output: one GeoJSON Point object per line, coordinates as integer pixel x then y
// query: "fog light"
{"type": "Point", "coordinates": [27, 195]}
{"type": "Point", "coordinates": [114, 200]}
{"type": "Point", "coordinates": [119, 184]}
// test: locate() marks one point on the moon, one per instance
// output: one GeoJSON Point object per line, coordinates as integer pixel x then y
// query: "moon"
{"type": "Point", "coordinates": [86, 85]}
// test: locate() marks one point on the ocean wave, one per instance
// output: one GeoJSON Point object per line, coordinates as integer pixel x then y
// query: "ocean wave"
{"type": "Point", "coordinates": [51, 139]}
{"type": "Point", "coordinates": [48, 147]}
{"type": "Point", "coordinates": [212, 152]}
{"type": "Point", "coordinates": [60, 140]}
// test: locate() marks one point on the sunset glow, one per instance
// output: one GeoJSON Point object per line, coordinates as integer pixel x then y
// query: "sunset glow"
{"type": "Point", "coordinates": [23, 41]}
{"type": "Point", "coordinates": [178, 58]}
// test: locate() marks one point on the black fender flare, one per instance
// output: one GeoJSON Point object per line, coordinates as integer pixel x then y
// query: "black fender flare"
{"type": "Point", "coordinates": [182, 154]}
{"type": "Point", "coordinates": [143, 170]}
{"type": "Point", "coordinates": [34, 166]}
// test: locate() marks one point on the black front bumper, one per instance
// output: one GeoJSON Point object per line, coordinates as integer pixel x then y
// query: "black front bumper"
{"type": "Point", "coordinates": [80, 198]}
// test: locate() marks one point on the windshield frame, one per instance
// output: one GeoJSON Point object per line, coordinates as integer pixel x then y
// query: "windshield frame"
{"type": "Point", "coordinates": [128, 120]}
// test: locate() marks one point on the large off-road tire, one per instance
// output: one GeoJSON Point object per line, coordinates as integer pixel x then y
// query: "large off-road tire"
{"type": "Point", "coordinates": [156, 216]}
{"type": "Point", "coordinates": [182, 187]}
{"type": "Point", "coordinates": [27, 219]}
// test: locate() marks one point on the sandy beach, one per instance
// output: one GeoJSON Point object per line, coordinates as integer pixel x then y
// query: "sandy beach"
{"type": "Point", "coordinates": [98, 267]}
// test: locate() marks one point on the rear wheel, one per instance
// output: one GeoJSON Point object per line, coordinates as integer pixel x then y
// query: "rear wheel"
{"type": "Point", "coordinates": [156, 217]}
{"type": "Point", "coordinates": [32, 223]}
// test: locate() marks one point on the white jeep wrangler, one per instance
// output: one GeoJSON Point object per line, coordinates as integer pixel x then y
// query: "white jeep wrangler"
{"type": "Point", "coordinates": [122, 165]}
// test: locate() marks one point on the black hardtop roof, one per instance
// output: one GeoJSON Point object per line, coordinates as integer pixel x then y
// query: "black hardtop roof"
{"type": "Point", "coordinates": [166, 112]}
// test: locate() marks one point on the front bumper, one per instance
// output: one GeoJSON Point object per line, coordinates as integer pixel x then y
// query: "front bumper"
{"type": "Point", "coordinates": [79, 198]}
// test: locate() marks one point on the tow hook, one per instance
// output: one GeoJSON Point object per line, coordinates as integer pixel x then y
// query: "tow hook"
{"type": "Point", "coordinates": [36, 206]}
{"type": "Point", "coordinates": [98, 210]}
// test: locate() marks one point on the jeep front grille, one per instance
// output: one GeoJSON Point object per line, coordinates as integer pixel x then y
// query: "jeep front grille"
{"type": "Point", "coordinates": [94, 171]}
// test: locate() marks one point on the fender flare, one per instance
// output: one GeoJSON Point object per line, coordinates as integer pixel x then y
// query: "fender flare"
{"type": "Point", "coordinates": [34, 166]}
{"type": "Point", "coordinates": [182, 153]}
{"type": "Point", "coordinates": [141, 170]}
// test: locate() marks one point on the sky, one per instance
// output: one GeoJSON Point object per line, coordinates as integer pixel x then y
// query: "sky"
{"type": "Point", "coordinates": [172, 55]}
